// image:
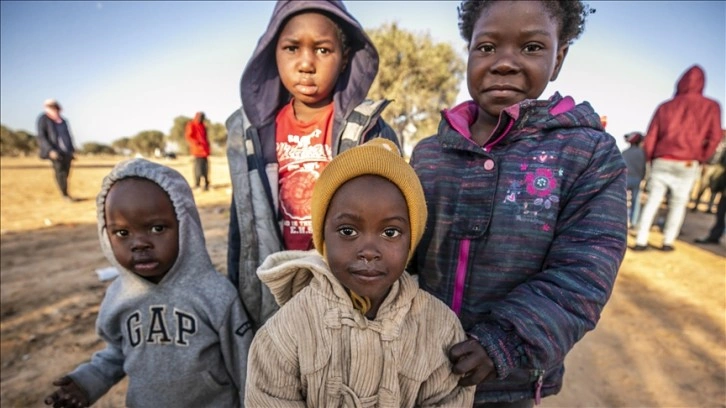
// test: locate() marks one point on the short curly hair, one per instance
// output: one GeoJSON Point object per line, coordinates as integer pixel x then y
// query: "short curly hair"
{"type": "Point", "coordinates": [570, 15]}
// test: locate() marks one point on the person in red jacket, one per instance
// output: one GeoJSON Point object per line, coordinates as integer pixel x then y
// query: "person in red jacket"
{"type": "Point", "coordinates": [683, 134]}
{"type": "Point", "coordinates": [196, 136]}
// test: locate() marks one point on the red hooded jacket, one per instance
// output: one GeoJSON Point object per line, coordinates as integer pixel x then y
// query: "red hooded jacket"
{"type": "Point", "coordinates": [686, 127]}
{"type": "Point", "coordinates": [196, 135]}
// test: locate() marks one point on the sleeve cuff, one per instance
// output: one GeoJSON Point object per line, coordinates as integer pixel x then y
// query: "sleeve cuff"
{"type": "Point", "coordinates": [502, 346]}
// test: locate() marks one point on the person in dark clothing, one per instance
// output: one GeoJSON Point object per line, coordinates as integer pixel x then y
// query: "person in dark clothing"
{"type": "Point", "coordinates": [56, 144]}
{"type": "Point", "coordinates": [711, 174]}
{"type": "Point", "coordinates": [634, 157]}
{"type": "Point", "coordinates": [718, 185]}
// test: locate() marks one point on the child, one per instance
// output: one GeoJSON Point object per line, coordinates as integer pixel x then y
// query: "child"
{"type": "Point", "coordinates": [527, 204]}
{"type": "Point", "coordinates": [634, 157]}
{"type": "Point", "coordinates": [354, 328]}
{"type": "Point", "coordinates": [303, 96]}
{"type": "Point", "coordinates": [170, 320]}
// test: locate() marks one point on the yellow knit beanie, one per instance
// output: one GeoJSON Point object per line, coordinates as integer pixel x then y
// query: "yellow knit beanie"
{"type": "Point", "coordinates": [378, 157]}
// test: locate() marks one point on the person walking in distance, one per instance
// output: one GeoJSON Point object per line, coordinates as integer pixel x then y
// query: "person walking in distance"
{"type": "Point", "coordinates": [196, 135]}
{"type": "Point", "coordinates": [634, 157]}
{"type": "Point", "coordinates": [683, 134]}
{"type": "Point", "coordinates": [56, 144]}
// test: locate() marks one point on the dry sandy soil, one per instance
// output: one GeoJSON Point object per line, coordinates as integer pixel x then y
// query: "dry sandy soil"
{"type": "Point", "coordinates": [661, 341]}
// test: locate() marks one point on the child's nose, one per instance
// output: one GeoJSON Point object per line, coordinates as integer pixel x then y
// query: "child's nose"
{"type": "Point", "coordinates": [140, 243]}
{"type": "Point", "coordinates": [368, 251]}
{"type": "Point", "coordinates": [306, 63]}
{"type": "Point", "coordinates": [505, 62]}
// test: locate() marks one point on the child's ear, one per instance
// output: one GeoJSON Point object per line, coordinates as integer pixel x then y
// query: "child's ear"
{"type": "Point", "coordinates": [560, 59]}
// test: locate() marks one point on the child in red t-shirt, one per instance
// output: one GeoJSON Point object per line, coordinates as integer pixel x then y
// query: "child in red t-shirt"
{"type": "Point", "coordinates": [304, 101]}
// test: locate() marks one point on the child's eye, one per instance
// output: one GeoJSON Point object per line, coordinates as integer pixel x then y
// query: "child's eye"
{"type": "Point", "coordinates": [157, 228]}
{"type": "Point", "coordinates": [533, 48]}
{"type": "Point", "coordinates": [290, 48]}
{"type": "Point", "coordinates": [121, 233]}
{"type": "Point", "coordinates": [487, 48]}
{"type": "Point", "coordinates": [391, 232]}
{"type": "Point", "coordinates": [347, 231]}
{"type": "Point", "coordinates": [323, 51]}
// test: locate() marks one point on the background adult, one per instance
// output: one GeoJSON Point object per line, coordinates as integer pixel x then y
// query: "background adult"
{"type": "Point", "coordinates": [634, 157]}
{"type": "Point", "coordinates": [718, 185]}
{"type": "Point", "coordinates": [56, 143]}
{"type": "Point", "coordinates": [196, 136]}
{"type": "Point", "coordinates": [683, 134]}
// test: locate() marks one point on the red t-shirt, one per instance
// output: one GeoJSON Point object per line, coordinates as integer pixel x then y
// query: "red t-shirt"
{"type": "Point", "coordinates": [303, 151]}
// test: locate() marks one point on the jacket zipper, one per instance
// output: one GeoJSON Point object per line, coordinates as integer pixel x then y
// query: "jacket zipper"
{"type": "Point", "coordinates": [538, 386]}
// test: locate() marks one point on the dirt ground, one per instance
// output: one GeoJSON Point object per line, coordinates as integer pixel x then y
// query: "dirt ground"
{"type": "Point", "coordinates": [661, 341]}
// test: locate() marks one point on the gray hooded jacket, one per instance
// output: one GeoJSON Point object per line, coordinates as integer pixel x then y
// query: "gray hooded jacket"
{"type": "Point", "coordinates": [183, 342]}
{"type": "Point", "coordinates": [254, 230]}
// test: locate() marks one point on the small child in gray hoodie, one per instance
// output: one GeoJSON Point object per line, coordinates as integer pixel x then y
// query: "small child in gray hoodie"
{"type": "Point", "coordinates": [171, 321]}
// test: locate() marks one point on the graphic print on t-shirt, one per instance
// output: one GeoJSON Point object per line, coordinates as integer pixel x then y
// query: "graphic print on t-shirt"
{"type": "Point", "coordinates": [302, 153]}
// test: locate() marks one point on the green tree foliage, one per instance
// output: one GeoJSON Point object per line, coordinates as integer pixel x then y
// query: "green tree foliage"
{"type": "Point", "coordinates": [96, 148]}
{"type": "Point", "coordinates": [147, 141]}
{"type": "Point", "coordinates": [122, 144]}
{"type": "Point", "coordinates": [176, 133]}
{"type": "Point", "coordinates": [216, 133]}
{"type": "Point", "coordinates": [16, 143]}
{"type": "Point", "coordinates": [420, 76]}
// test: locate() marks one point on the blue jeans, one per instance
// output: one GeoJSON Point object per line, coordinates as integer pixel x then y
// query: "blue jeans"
{"type": "Point", "coordinates": [634, 208]}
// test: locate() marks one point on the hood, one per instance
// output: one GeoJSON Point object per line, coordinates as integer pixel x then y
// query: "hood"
{"type": "Point", "coordinates": [288, 272]}
{"type": "Point", "coordinates": [261, 88]}
{"type": "Point", "coordinates": [691, 82]}
{"type": "Point", "coordinates": [193, 257]}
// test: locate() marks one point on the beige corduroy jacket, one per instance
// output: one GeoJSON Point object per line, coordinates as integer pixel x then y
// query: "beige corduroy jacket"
{"type": "Point", "coordinates": [318, 351]}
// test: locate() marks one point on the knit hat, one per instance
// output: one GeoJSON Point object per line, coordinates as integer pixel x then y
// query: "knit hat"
{"type": "Point", "coordinates": [378, 157]}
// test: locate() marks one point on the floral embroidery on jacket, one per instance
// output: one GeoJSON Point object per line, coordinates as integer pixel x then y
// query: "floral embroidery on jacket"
{"type": "Point", "coordinates": [540, 183]}
{"type": "Point", "coordinates": [541, 186]}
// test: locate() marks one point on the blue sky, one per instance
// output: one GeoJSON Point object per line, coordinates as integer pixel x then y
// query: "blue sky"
{"type": "Point", "coordinates": [122, 67]}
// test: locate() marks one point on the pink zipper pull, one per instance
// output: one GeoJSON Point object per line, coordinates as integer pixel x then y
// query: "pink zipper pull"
{"type": "Point", "coordinates": [538, 389]}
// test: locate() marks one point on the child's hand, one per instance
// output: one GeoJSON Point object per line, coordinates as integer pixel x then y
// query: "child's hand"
{"type": "Point", "coordinates": [470, 359]}
{"type": "Point", "coordinates": [68, 395]}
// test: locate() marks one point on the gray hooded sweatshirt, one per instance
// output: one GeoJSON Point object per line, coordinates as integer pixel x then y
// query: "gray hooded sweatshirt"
{"type": "Point", "coordinates": [254, 229]}
{"type": "Point", "coordinates": [183, 342]}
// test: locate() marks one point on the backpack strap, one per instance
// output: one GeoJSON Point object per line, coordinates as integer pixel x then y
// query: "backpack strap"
{"type": "Point", "coordinates": [359, 121]}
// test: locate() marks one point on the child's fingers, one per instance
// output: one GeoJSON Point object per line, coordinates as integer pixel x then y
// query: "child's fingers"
{"type": "Point", "coordinates": [49, 400]}
{"type": "Point", "coordinates": [461, 349]}
{"type": "Point", "coordinates": [63, 381]}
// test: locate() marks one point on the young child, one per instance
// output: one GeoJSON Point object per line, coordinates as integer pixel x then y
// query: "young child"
{"type": "Point", "coordinates": [634, 157]}
{"type": "Point", "coordinates": [527, 205]}
{"type": "Point", "coordinates": [303, 97]}
{"type": "Point", "coordinates": [354, 328]}
{"type": "Point", "coordinates": [171, 322]}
